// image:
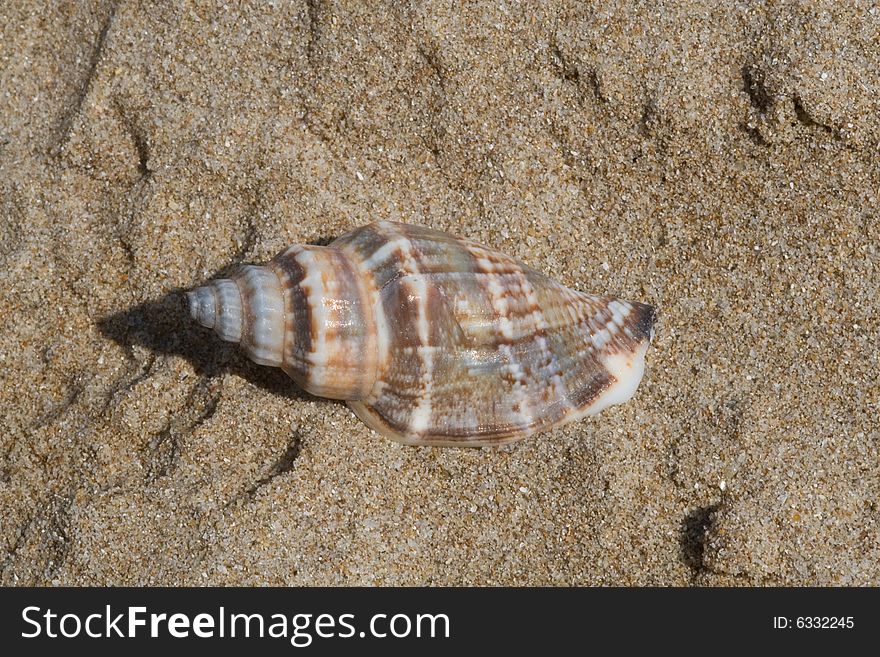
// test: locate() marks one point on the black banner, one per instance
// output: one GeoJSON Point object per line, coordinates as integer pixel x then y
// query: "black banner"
{"type": "Point", "coordinates": [398, 621]}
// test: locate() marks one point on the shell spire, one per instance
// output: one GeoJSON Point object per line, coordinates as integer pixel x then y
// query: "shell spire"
{"type": "Point", "coordinates": [305, 312]}
{"type": "Point", "coordinates": [432, 339]}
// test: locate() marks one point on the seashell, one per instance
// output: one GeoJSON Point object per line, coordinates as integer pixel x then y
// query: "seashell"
{"type": "Point", "coordinates": [432, 339]}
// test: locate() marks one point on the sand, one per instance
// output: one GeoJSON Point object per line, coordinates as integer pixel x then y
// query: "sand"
{"type": "Point", "coordinates": [717, 161]}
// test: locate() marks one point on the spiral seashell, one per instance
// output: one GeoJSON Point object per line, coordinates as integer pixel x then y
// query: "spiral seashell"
{"type": "Point", "coordinates": [432, 339]}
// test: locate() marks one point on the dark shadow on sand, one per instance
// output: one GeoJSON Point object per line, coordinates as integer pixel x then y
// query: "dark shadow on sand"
{"type": "Point", "coordinates": [692, 536]}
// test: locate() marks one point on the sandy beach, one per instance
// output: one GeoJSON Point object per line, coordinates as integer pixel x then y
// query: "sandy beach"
{"type": "Point", "coordinates": [720, 162]}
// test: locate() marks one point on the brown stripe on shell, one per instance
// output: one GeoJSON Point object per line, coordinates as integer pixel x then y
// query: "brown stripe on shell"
{"type": "Point", "coordinates": [298, 316]}
{"type": "Point", "coordinates": [587, 381]}
{"type": "Point", "coordinates": [341, 359]}
{"type": "Point", "coordinates": [246, 315]}
{"type": "Point", "coordinates": [403, 382]}
{"type": "Point", "coordinates": [349, 328]}
{"type": "Point", "coordinates": [371, 245]}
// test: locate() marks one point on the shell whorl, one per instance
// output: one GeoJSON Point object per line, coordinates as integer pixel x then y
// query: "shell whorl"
{"type": "Point", "coordinates": [430, 338]}
{"type": "Point", "coordinates": [305, 312]}
{"type": "Point", "coordinates": [248, 309]}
